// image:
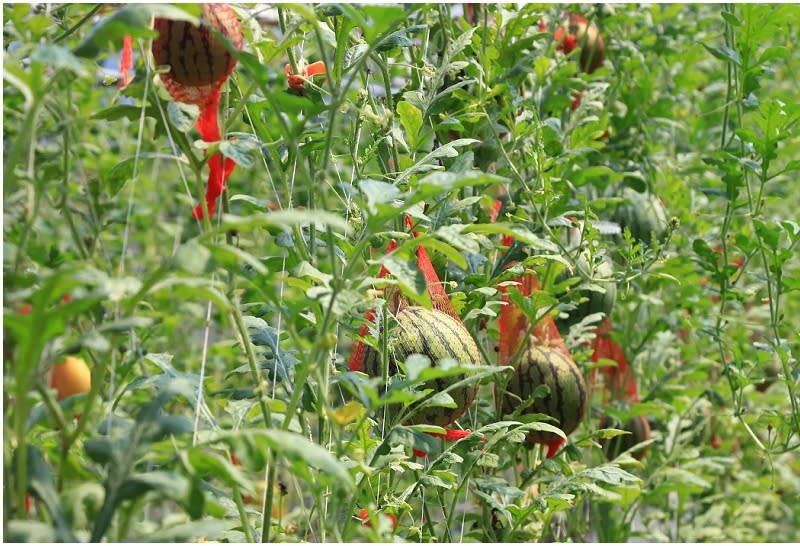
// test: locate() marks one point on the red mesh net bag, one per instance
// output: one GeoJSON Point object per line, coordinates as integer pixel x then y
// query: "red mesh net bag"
{"type": "Point", "coordinates": [200, 63]}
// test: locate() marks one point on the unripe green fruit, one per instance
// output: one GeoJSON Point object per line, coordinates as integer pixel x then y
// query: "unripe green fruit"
{"type": "Point", "coordinates": [597, 302]}
{"type": "Point", "coordinates": [437, 336]}
{"type": "Point", "coordinates": [644, 216]}
{"type": "Point", "coordinates": [771, 372]}
{"type": "Point", "coordinates": [639, 430]}
{"type": "Point", "coordinates": [567, 400]}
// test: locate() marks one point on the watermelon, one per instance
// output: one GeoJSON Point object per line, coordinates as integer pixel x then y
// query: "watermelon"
{"type": "Point", "coordinates": [567, 398]}
{"type": "Point", "coordinates": [644, 215]}
{"type": "Point", "coordinates": [435, 335]}
{"type": "Point", "coordinates": [578, 32]}
{"type": "Point", "coordinates": [771, 372]}
{"type": "Point", "coordinates": [639, 430]}
{"type": "Point", "coordinates": [194, 54]}
{"type": "Point", "coordinates": [596, 302]}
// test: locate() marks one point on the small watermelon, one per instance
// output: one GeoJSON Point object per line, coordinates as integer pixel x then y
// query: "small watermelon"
{"type": "Point", "coordinates": [567, 398]}
{"type": "Point", "coordinates": [596, 302]}
{"type": "Point", "coordinates": [435, 335]}
{"type": "Point", "coordinates": [639, 430]}
{"type": "Point", "coordinates": [578, 32]}
{"type": "Point", "coordinates": [644, 215]}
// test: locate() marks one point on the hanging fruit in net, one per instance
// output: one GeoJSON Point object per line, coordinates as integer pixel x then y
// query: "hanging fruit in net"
{"type": "Point", "coordinates": [436, 333]}
{"type": "Point", "coordinates": [437, 336]}
{"type": "Point", "coordinates": [545, 360]}
{"type": "Point", "coordinates": [199, 64]}
{"type": "Point", "coordinates": [577, 32]}
{"type": "Point", "coordinates": [567, 398]}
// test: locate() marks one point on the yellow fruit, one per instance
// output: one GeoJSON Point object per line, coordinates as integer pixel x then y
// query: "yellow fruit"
{"type": "Point", "coordinates": [70, 377]}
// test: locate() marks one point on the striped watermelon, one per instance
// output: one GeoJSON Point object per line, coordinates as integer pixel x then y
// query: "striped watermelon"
{"type": "Point", "coordinates": [644, 215]}
{"type": "Point", "coordinates": [195, 56]}
{"type": "Point", "coordinates": [639, 430]}
{"type": "Point", "coordinates": [436, 335]}
{"type": "Point", "coordinates": [567, 400]}
{"type": "Point", "coordinates": [597, 302]}
{"type": "Point", "coordinates": [578, 32]}
{"type": "Point", "coordinates": [771, 373]}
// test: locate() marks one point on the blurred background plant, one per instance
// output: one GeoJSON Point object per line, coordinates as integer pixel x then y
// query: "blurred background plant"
{"type": "Point", "coordinates": [220, 404]}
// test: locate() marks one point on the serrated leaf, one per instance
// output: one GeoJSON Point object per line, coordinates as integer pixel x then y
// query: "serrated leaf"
{"type": "Point", "coordinates": [354, 54]}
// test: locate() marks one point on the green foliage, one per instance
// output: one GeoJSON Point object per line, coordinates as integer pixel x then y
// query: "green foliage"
{"type": "Point", "coordinates": [219, 351]}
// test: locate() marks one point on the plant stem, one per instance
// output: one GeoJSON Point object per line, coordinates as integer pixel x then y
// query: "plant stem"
{"type": "Point", "coordinates": [289, 52]}
{"type": "Point", "coordinates": [79, 24]}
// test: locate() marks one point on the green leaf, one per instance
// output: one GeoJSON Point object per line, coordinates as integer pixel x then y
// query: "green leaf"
{"type": "Point", "coordinates": [424, 164]}
{"type": "Point", "coordinates": [119, 175]}
{"type": "Point", "coordinates": [441, 182]}
{"type": "Point", "coordinates": [731, 19]}
{"type": "Point", "coordinates": [770, 235]}
{"type": "Point", "coordinates": [441, 246]}
{"type": "Point", "coordinates": [240, 150]}
{"type": "Point", "coordinates": [217, 466]}
{"type": "Point", "coordinates": [398, 38]}
{"type": "Point", "coordinates": [519, 233]}
{"type": "Point", "coordinates": [43, 488]}
{"type": "Point", "coordinates": [193, 289]}
{"type": "Point", "coordinates": [30, 532]}
{"type": "Point", "coordinates": [165, 483]}
{"type": "Point", "coordinates": [377, 193]}
{"type": "Point", "coordinates": [405, 272]}
{"type": "Point", "coordinates": [610, 474]}
{"type": "Point", "coordinates": [293, 447]}
{"type": "Point", "coordinates": [724, 53]}
{"type": "Point", "coordinates": [229, 256]}
{"type": "Point", "coordinates": [774, 52]}
{"type": "Point", "coordinates": [59, 58]}
{"type": "Point", "coordinates": [183, 116]}
{"type": "Point", "coordinates": [411, 120]}
{"type": "Point", "coordinates": [194, 258]}
{"type": "Point", "coordinates": [189, 531]}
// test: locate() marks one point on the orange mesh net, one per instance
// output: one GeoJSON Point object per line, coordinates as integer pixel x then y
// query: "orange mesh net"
{"type": "Point", "coordinates": [513, 326]}
{"type": "Point", "coordinates": [439, 301]}
{"type": "Point", "coordinates": [619, 380]}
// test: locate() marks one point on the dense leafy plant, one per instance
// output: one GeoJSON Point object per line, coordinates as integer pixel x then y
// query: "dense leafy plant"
{"type": "Point", "coordinates": [222, 404]}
